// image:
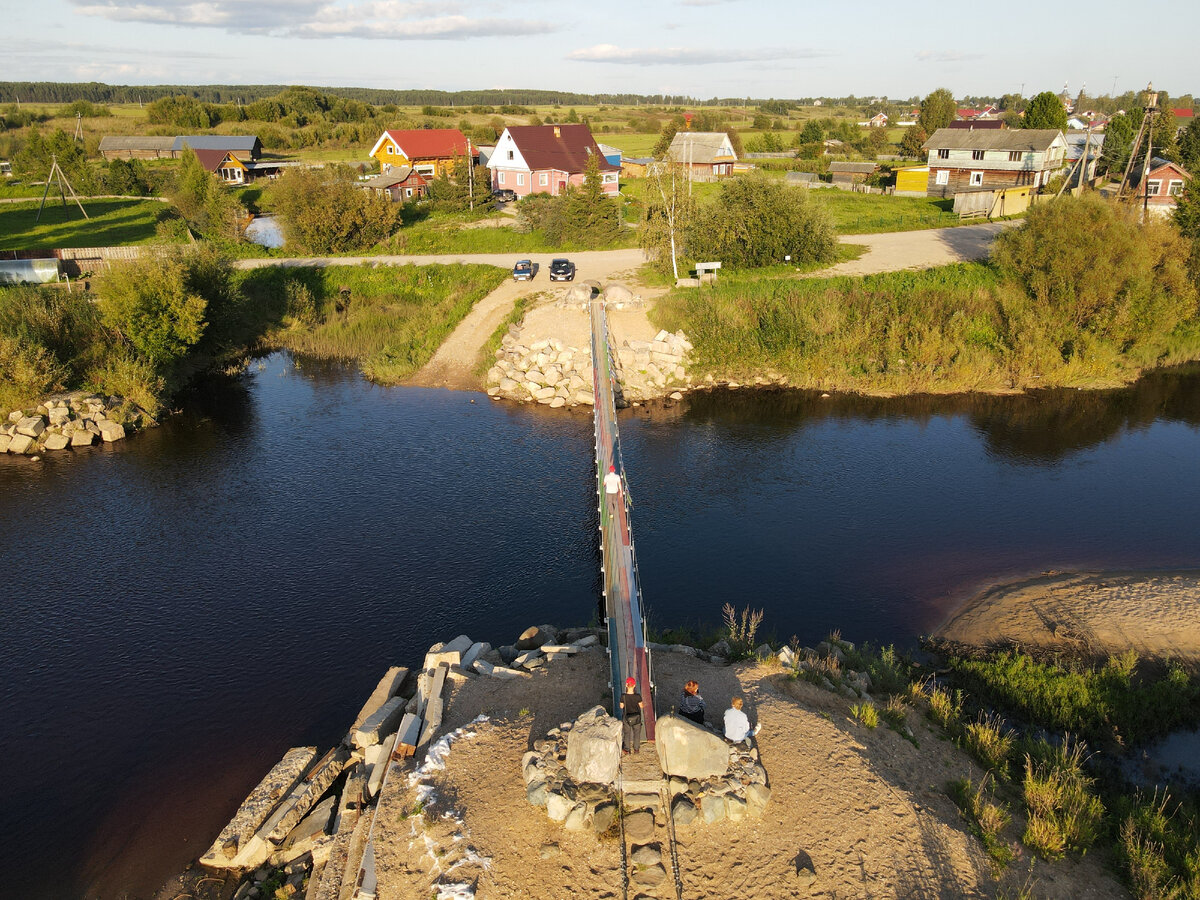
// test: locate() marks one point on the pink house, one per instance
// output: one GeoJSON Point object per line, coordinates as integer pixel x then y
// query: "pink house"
{"type": "Point", "coordinates": [1163, 185]}
{"type": "Point", "coordinates": [545, 159]}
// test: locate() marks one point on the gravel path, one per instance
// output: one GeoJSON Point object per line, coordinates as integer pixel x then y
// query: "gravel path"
{"type": "Point", "coordinates": [897, 250]}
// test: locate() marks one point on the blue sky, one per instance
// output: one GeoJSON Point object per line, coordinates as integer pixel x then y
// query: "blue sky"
{"type": "Point", "coordinates": [700, 48]}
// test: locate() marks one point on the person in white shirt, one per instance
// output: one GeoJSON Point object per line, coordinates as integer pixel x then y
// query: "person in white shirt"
{"type": "Point", "coordinates": [612, 482]}
{"type": "Point", "coordinates": [737, 726]}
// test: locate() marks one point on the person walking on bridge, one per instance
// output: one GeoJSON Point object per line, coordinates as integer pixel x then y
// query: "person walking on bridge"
{"type": "Point", "coordinates": [612, 483]}
{"type": "Point", "coordinates": [631, 718]}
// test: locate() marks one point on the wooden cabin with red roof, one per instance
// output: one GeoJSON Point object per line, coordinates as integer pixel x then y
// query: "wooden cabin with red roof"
{"type": "Point", "coordinates": [545, 159]}
{"type": "Point", "coordinates": [430, 151]}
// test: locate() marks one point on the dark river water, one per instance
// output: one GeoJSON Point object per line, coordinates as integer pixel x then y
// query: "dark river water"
{"type": "Point", "coordinates": [182, 607]}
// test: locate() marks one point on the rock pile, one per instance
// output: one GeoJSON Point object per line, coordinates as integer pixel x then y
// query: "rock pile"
{"type": "Point", "coordinates": [546, 371]}
{"type": "Point", "coordinates": [556, 375]}
{"type": "Point", "coordinates": [78, 419]}
{"type": "Point", "coordinates": [555, 769]}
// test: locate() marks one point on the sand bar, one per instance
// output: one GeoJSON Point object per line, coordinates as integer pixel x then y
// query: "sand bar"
{"type": "Point", "coordinates": [1094, 613]}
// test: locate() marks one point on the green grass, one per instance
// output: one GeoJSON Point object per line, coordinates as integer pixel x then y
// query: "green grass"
{"type": "Point", "coordinates": [111, 223]}
{"type": "Point", "coordinates": [394, 320]}
{"type": "Point", "coordinates": [12, 188]}
{"type": "Point", "coordinates": [874, 213]}
{"type": "Point", "coordinates": [488, 354]}
{"type": "Point", "coordinates": [441, 235]}
{"type": "Point", "coordinates": [1111, 704]}
{"type": "Point", "coordinates": [630, 144]}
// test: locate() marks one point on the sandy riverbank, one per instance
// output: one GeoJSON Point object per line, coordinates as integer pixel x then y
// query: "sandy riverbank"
{"type": "Point", "coordinates": [1093, 613]}
{"type": "Point", "coordinates": [868, 808]}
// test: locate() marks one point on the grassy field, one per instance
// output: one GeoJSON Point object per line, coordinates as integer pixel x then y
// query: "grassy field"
{"type": "Point", "coordinates": [112, 223]}
{"type": "Point", "coordinates": [392, 320]}
{"type": "Point", "coordinates": [10, 188]}
{"type": "Point", "coordinates": [874, 213]}
{"type": "Point", "coordinates": [446, 235]}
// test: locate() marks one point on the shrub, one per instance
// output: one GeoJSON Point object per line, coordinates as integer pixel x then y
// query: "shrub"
{"type": "Point", "coordinates": [1064, 813]}
{"type": "Point", "coordinates": [740, 630]}
{"type": "Point", "coordinates": [988, 818]}
{"type": "Point", "coordinates": [1095, 273]}
{"type": "Point", "coordinates": [866, 713]}
{"type": "Point", "coordinates": [755, 221]}
{"type": "Point", "coordinates": [945, 708]}
{"type": "Point", "coordinates": [989, 741]}
{"type": "Point", "coordinates": [324, 211]}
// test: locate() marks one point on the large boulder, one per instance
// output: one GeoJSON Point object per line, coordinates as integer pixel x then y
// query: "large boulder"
{"type": "Point", "coordinates": [688, 750]}
{"type": "Point", "coordinates": [594, 748]}
{"type": "Point", "coordinates": [31, 426]}
{"type": "Point", "coordinates": [617, 294]}
{"type": "Point", "coordinates": [531, 638]}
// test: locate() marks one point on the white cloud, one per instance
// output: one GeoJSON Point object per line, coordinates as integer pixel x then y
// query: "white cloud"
{"type": "Point", "coordinates": [374, 19]}
{"type": "Point", "coordinates": [946, 56]}
{"type": "Point", "coordinates": [684, 56]}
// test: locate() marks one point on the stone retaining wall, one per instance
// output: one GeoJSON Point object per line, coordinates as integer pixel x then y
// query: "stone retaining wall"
{"type": "Point", "coordinates": [556, 375]}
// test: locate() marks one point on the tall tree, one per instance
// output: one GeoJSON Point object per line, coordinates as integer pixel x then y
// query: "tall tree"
{"type": "Point", "coordinates": [665, 135]}
{"type": "Point", "coordinates": [1118, 141]}
{"type": "Point", "coordinates": [1189, 147]}
{"type": "Point", "coordinates": [667, 216]}
{"type": "Point", "coordinates": [811, 132]}
{"type": "Point", "coordinates": [937, 110]}
{"type": "Point", "coordinates": [910, 144]}
{"type": "Point", "coordinates": [1046, 111]}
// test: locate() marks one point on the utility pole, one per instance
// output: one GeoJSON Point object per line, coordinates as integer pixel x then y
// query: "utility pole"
{"type": "Point", "coordinates": [1151, 107]}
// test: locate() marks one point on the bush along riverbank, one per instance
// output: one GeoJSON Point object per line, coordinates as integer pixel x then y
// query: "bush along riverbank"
{"type": "Point", "coordinates": [148, 327]}
{"type": "Point", "coordinates": [1076, 296]}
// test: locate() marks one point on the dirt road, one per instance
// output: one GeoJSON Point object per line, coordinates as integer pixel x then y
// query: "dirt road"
{"type": "Point", "coordinates": [897, 250]}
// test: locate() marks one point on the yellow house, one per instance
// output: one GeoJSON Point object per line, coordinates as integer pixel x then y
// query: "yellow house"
{"type": "Point", "coordinates": [430, 151]}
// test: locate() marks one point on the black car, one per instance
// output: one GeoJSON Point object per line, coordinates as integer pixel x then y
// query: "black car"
{"type": "Point", "coordinates": [504, 195]}
{"type": "Point", "coordinates": [562, 270]}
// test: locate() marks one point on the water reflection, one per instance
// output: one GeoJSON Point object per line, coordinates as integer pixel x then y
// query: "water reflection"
{"type": "Point", "coordinates": [1035, 427]}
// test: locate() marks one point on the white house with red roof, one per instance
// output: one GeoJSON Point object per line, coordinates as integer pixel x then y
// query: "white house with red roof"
{"type": "Point", "coordinates": [546, 159]}
{"type": "Point", "coordinates": [430, 151]}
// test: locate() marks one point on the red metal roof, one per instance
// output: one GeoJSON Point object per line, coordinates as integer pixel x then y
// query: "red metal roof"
{"type": "Point", "coordinates": [562, 147]}
{"type": "Point", "coordinates": [1182, 113]}
{"type": "Point", "coordinates": [211, 159]}
{"type": "Point", "coordinates": [430, 143]}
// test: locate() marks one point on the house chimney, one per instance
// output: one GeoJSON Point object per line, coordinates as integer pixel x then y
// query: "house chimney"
{"type": "Point", "coordinates": [557, 132]}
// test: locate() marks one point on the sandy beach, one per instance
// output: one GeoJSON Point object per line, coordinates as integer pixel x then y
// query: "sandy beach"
{"type": "Point", "coordinates": [1095, 614]}
{"type": "Point", "coordinates": [867, 807]}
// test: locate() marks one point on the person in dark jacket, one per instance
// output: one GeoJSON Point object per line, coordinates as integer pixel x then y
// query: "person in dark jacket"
{"type": "Point", "coordinates": [631, 718]}
{"type": "Point", "coordinates": [691, 704]}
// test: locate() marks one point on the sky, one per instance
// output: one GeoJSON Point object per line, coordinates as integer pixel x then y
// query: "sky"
{"type": "Point", "coordinates": [696, 48]}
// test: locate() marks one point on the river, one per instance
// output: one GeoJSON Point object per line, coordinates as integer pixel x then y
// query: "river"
{"type": "Point", "coordinates": [185, 605]}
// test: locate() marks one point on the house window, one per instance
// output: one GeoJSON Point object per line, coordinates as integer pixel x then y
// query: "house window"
{"type": "Point", "coordinates": [943, 154]}
{"type": "Point", "coordinates": [942, 177]}
{"type": "Point", "coordinates": [976, 179]}
{"type": "Point", "coordinates": [544, 179]}
{"type": "Point", "coordinates": [520, 179]}
{"type": "Point", "coordinates": [510, 154]}
{"type": "Point", "coordinates": [1175, 187]}
{"type": "Point", "coordinates": [1014, 155]}
{"type": "Point", "coordinates": [976, 154]}
{"type": "Point", "coordinates": [500, 178]}
{"type": "Point", "coordinates": [1154, 185]}
{"type": "Point", "coordinates": [389, 149]}
{"type": "Point", "coordinates": [408, 192]}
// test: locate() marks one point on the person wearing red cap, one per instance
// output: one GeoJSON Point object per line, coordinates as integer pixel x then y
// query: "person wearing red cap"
{"type": "Point", "coordinates": [612, 482]}
{"type": "Point", "coordinates": [631, 720]}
